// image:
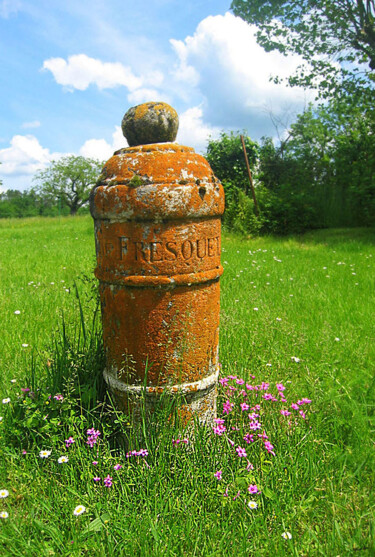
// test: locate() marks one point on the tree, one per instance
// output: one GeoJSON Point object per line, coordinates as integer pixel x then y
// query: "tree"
{"type": "Point", "coordinates": [335, 37]}
{"type": "Point", "coordinates": [68, 181]}
{"type": "Point", "coordinates": [226, 158]}
{"type": "Point", "coordinates": [325, 173]}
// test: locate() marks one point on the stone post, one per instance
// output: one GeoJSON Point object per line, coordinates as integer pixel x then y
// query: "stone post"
{"type": "Point", "coordinates": [157, 209]}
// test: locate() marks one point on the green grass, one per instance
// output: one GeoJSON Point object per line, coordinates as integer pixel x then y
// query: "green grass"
{"type": "Point", "coordinates": [315, 300]}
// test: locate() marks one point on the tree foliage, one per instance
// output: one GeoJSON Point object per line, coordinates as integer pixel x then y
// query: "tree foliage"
{"type": "Point", "coordinates": [28, 203]}
{"type": "Point", "coordinates": [226, 158]}
{"type": "Point", "coordinates": [321, 175]}
{"type": "Point", "coordinates": [335, 37]}
{"type": "Point", "coordinates": [325, 174]}
{"type": "Point", "coordinates": [68, 181]}
{"type": "Point", "coordinates": [15, 203]}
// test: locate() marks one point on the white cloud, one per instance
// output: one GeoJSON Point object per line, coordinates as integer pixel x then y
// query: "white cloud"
{"type": "Point", "coordinates": [24, 156]}
{"type": "Point", "coordinates": [100, 149]}
{"type": "Point", "coordinates": [81, 71]}
{"type": "Point", "coordinates": [193, 131]}
{"type": "Point", "coordinates": [223, 62]}
{"type": "Point", "coordinates": [145, 95]}
{"type": "Point", "coordinates": [96, 149]}
{"type": "Point", "coordinates": [30, 125]}
{"type": "Point", "coordinates": [221, 80]}
{"type": "Point", "coordinates": [183, 71]}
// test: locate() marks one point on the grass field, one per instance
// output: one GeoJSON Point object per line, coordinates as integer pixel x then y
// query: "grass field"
{"type": "Point", "coordinates": [296, 312]}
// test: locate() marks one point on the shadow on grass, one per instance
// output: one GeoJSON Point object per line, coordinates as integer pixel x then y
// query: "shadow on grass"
{"type": "Point", "coordinates": [333, 237]}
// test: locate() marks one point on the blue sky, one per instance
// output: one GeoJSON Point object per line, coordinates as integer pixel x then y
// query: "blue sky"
{"type": "Point", "coordinates": [71, 69]}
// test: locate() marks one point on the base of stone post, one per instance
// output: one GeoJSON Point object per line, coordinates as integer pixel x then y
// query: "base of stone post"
{"type": "Point", "coordinates": [195, 400]}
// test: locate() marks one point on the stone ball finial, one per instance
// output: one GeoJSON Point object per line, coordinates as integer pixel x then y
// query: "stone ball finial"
{"type": "Point", "coordinates": [152, 122]}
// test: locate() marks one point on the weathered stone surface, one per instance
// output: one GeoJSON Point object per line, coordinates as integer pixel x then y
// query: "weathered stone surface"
{"type": "Point", "coordinates": [152, 122]}
{"type": "Point", "coordinates": [157, 211]}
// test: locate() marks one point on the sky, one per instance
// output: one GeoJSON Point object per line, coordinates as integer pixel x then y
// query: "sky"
{"type": "Point", "coordinates": [71, 69]}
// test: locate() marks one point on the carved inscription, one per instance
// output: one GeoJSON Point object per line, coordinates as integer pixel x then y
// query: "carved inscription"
{"type": "Point", "coordinates": [160, 250]}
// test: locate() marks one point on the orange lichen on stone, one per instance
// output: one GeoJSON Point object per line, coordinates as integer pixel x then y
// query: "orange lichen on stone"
{"type": "Point", "coordinates": [142, 109]}
{"type": "Point", "coordinates": [157, 211]}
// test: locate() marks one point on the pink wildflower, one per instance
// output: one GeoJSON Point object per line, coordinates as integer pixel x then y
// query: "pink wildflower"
{"type": "Point", "coordinates": [302, 413]}
{"type": "Point", "coordinates": [227, 407]}
{"type": "Point", "coordinates": [108, 481]}
{"type": "Point", "coordinates": [280, 387]}
{"type": "Point", "coordinates": [92, 436]}
{"type": "Point", "coordinates": [294, 406]}
{"type": "Point", "coordinates": [241, 452]}
{"type": "Point", "coordinates": [268, 396]}
{"type": "Point", "coordinates": [244, 406]}
{"type": "Point", "coordinates": [237, 494]}
{"type": "Point", "coordinates": [69, 442]}
{"type": "Point", "coordinates": [94, 432]}
{"type": "Point", "coordinates": [58, 397]}
{"type": "Point", "coordinates": [96, 479]}
{"type": "Point", "coordinates": [117, 467]}
{"type": "Point", "coordinates": [269, 447]}
{"type": "Point", "coordinates": [223, 380]}
{"type": "Point", "coordinates": [285, 412]}
{"type": "Point", "coordinates": [249, 438]}
{"type": "Point", "coordinates": [254, 425]}
{"type": "Point", "coordinates": [253, 488]}
{"type": "Point", "coordinates": [219, 421]}
{"type": "Point", "coordinates": [218, 475]}
{"type": "Point", "coordinates": [174, 442]}
{"type": "Point", "coordinates": [240, 381]}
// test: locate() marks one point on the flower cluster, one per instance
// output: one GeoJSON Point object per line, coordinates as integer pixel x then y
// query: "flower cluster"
{"type": "Point", "coordinates": [178, 441]}
{"type": "Point", "coordinates": [108, 481]}
{"type": "Point", "coordinates": [141, 452]}
{"type": "Point", "coordinates": [220, 427]}
{"type": "Point", "coordinates": [92, 436]}
{"type": "Point", "coordinates": [69, 442]}
{"type": "Point", "coordinates": [246, 410]}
